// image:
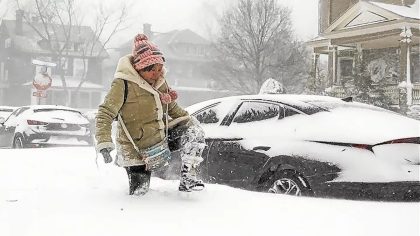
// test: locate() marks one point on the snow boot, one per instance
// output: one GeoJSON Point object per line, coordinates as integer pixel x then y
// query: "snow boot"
{"type": "Point", "coordinates": [189, 181]}
{"type": "Point", "coordinates": [139, 181]}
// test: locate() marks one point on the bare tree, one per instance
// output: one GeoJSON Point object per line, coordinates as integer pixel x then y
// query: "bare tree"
{"type": "Point", "coordinates": [5, 7]}
{"type": "Point", "coordinates": [60, 26]}
{"type": "Point", "coordinates": [107, 25]}
{"type": "Point", "coordinates": [256, 40]}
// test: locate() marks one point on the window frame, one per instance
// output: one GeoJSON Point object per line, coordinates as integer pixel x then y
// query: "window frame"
{"type": "Point", "coordinates": [229, 121]}
{"type": "Point", "coordinates": [207, 108]}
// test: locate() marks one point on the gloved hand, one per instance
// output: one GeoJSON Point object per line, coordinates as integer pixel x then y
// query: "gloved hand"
{"type": "Point", "coordinates": [106, 154]}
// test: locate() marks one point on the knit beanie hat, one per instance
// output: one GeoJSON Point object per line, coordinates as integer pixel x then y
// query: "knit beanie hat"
{"type": "Point", "coordinates": [145, 53]}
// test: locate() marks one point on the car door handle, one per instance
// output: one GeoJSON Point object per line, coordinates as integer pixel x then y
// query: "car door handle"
{"type": "Point", "coordinates": [261, 148]}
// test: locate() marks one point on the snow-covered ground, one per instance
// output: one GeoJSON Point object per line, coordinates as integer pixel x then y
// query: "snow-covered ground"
{"type": "Point", "coordinates": [61, 191]}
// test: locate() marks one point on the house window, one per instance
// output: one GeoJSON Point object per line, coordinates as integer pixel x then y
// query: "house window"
{"type": "Point", "coordinates": [345, 67]}
{"type": "Point", "coordinates": [8, 43]}
{"type": "Point", "coordinates": [96, 99]}
{"type": "Point", "coordinates": [58, 97]}
{"type": "Point", "coordinates": [84, 99]}
{"type": "Point", "coordinates": [2, 71]}
{"type": "Point", "coordinates": [69, 67]}
{"type": "Point", "coordinates": [76, 47]}
{"type": "Point", "coordinates": [80, 67]}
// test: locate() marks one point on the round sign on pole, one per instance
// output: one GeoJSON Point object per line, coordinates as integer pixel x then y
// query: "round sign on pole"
{"type": "Point", "coordinates": [42, 81]}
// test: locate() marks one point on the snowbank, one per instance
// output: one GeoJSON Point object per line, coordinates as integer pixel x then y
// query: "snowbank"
{"type": "Point", "coordinates": [61, 191]}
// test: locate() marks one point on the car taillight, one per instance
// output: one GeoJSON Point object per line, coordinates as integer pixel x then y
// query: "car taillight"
{"type": "Point", "coordinates": [415, 140]}
{"type": "Point", "coordinates": [362, 146]}
{"type": "Point", "coordinates": [35, 122]}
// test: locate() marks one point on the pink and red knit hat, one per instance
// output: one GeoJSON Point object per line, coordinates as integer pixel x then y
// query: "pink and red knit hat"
{"type": "Point", "coordinates": [145, 53]}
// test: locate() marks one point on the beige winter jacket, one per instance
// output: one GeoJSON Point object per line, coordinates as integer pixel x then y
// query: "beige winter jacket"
{"type": "Point", "coordinates": [142, 113]}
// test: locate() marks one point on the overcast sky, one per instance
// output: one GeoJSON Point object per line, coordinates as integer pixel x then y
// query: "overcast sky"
{"type": "Point", "coordinates": [198, 15]}
{"type": "Point", "coordinates": [201, 15]}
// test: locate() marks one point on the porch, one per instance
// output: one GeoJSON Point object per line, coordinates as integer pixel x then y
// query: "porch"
{"type": "Point", "coordinates": [382, 42]}
{"type": "Point", "coordinates": [391, 91]}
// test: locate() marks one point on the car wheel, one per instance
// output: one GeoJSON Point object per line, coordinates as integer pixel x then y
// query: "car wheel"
{"type": "Point", "coordinates": [18, 142]}
{"type": "Point", "coordinates": [289, 183]}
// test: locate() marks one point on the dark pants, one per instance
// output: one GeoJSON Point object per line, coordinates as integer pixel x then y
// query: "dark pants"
{"type": "Point", "coordinates": [137, 177]}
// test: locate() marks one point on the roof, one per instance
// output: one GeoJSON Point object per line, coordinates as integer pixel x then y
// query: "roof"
{"type": "Point", "coordinates": [170, 42]}
{"type": "Point", "coordinates": [29, 40]}
{"type": "Point", "coordinates": [373, 24]}
{"type": "Point", "coordinates": [404, 11]}
{"type": "Point", "coordinates": [369, 14]}
{"type": "Point", "coordinates": [71, 83]}
{"type": "Point", "coordinates": [180, 36]}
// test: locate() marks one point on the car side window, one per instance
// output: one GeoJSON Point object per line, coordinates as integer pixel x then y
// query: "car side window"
{"type": "Point", "coordinates": [21, 110]}
{"type": "Point", "coordinates": [208, 116]}
{"type": "Point", "coordinates": [16, 113]}
{"type": "Point", "coordinates": [256, 111]}
{"type": "Point", "coordinates": [288, 112]}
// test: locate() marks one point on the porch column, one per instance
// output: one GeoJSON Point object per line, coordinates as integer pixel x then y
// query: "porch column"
{"type": "Point", "coordinates": [332, 64]}
{"type": "Point", "coordinates": [405, 67]}
{"type": "Point", "coordinates": [315, 68]}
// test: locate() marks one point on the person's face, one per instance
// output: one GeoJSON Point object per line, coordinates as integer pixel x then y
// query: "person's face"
{"type": "Point", "coordinates": [154, 74]}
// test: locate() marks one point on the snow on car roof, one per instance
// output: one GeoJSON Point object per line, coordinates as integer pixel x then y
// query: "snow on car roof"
{"type": "Point", "coordinates": [291, 99]}
{"type": "Point", "coordinates": [8, 108]}
{"type": "Point", "coordinates": [57, 107]}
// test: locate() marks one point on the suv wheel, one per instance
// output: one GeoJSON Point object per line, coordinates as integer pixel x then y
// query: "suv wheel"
{"type": "Point", "coordinates": [18, 142]}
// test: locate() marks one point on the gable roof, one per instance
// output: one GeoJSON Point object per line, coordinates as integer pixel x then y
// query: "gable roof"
{"type": "Point", "coordinates": [186, 36]}
{"type": "Point", "coordinates": [366, 13]}
{"type": "Point", "coordinates": [170, 42]}
{"type": "Point", "coordinates": [28, 40]}
{"type": "Point", "coordinates": [404, 11]}
{"type": "Point", "coordinates": [372, 25]}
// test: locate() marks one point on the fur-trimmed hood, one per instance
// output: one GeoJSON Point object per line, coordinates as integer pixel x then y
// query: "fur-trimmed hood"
{"type": "Point", "coordinates": [126, 71]}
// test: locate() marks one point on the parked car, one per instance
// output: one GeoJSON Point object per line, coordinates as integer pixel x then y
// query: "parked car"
{"type": "Point", "coordinates": [43, 126]}
{"type": "Point", "coordinates": [5, 111]}
{"type": "Point", "coordinates": [91, 115]}
{"type": "Point", "coordinates": [311, 146]}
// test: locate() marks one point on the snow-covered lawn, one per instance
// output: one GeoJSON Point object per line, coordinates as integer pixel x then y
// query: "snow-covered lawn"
{"type": "Point", "coordinates": [61, 191]}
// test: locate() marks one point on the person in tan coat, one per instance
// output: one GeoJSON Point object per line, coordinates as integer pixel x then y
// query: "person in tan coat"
{"type": "Point", "coordinates": [142, 102]}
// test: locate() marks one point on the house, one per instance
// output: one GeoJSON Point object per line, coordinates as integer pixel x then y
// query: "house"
{"type": "Point", "coordinates": [21, 44]}
{"type": "Point", "coordinates": [383, 34]}
{"type": "Point", "coordinates": [188, 63]}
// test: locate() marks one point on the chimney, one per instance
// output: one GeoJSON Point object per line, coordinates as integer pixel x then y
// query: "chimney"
{"type": "Point", "coordinates": [19, 22]}
{"type": "Point", "coordinates": [147, 30]}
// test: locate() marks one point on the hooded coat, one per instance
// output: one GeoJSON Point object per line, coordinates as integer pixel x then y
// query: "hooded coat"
{"type": "Point", "coordinates": [142, 113]}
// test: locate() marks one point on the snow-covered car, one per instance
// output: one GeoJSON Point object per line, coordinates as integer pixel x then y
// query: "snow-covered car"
{"type": "Point", "coordinates": [90, 115]}
{"type": "Point", "coordinates": [310, 145]}
{"type": "Point", "coordinates": [5, 111]}
{"type": "Point", "coordinates": [43, 126]}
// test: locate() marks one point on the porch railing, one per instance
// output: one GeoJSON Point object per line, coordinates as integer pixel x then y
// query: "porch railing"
{"type": "Point", "coordinates": [391, 91]}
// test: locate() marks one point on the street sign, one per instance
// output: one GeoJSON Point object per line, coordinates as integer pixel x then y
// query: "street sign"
{"type": "Point", "coordinates": [40, 94]}
{"type": "Point", "coordinates": [42, 81]}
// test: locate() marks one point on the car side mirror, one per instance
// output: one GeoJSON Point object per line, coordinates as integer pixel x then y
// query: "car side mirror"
{"type": "Point", "coordinates": [2, 120]}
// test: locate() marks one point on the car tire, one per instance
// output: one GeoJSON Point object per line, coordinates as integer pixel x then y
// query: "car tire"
{"type": "Point", "coordinates": [18, 142]}
{"type": "Point", "coordinates": [289, 182]}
